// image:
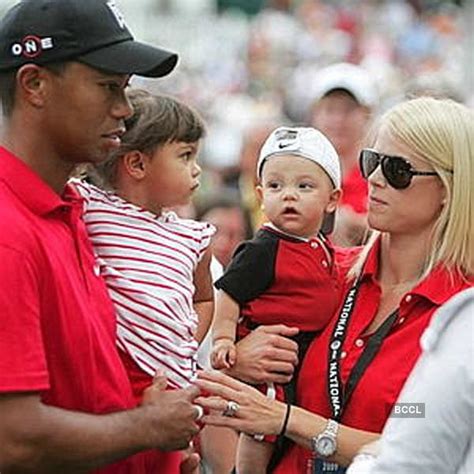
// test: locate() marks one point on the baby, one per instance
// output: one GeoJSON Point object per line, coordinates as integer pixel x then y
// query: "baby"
{"type": "Point", "coordinates": [286, 273]}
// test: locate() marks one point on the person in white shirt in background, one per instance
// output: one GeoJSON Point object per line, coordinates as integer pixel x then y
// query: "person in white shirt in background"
{"type": "Point", "coordinates": [443, 380]}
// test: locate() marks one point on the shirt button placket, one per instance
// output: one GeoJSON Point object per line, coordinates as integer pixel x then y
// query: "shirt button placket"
{"type": "Point", "coordinates": [359, 342]}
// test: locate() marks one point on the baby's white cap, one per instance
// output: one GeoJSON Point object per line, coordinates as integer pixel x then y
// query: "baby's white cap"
{"type": "Point", "coordinates": [306, 142]}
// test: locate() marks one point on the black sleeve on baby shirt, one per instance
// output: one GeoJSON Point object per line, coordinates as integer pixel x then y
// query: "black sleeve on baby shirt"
{"type": "Point", "coordinates": [252, 269]}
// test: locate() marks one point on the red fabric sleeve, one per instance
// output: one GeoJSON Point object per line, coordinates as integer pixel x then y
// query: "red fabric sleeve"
{"type": "Point", "coordinates": [22, 358]}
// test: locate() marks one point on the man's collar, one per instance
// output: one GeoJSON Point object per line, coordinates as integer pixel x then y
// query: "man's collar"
{"type": "Point", "coordinates": [30, 188]}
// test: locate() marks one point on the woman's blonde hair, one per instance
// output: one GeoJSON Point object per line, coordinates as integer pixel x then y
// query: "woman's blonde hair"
{"type": "Point", "coordinates": [441, 132]}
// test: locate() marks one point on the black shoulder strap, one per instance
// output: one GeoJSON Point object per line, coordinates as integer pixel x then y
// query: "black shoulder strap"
{"type": "Point", "coordinates": [373, 346]}
{"type": "Point", "coordinates": [339, 395]}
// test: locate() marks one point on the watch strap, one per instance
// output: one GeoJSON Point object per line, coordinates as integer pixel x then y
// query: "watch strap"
{"type": "Point", "coordinates": [332, 427]}
{"type": "Point", "coordinates": [330, 431]}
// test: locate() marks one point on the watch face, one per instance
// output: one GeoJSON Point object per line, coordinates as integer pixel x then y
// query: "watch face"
{"type": "Point", "coordinates": [325, 445]}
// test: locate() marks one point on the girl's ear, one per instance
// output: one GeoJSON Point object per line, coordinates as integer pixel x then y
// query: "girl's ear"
{"type": "Point", "coordinates": [135, 164]}
{"type": "Point", "coordinates": [333, 200]}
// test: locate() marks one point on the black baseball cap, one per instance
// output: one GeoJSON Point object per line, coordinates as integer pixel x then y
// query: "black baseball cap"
{"type": "Point", "coordinates": [89, 31]}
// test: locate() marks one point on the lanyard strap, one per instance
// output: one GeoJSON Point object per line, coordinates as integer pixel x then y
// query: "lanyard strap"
{"type": "Point", "coordinates": [339, 395]}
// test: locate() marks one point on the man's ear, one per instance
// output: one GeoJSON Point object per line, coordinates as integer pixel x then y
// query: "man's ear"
{"type": "Point", "coordinates": [334, 199]}
{"type": "Point", "coordinates": [135, 164]}
{"type": "Point", "coordinates": [32, 84]}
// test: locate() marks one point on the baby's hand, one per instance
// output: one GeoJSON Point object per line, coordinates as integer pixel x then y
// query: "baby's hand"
{"type": "Point", "coordinates": [223, 354]}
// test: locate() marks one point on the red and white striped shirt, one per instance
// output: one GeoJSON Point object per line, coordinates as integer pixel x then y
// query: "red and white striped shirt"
{"type": "Point", "coordinates": [148, 262]}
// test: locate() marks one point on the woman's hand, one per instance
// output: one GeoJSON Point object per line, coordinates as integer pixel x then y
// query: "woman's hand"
{"type": "Point", "coordinates": [254, 412]}
{"type": "Point", "coordinates": [266, 355]}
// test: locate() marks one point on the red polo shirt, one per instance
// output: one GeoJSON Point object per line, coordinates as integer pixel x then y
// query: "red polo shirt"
{"type": "Point", "coordinates": [57, 330]}
{"type": "Point", "coordinates": [355, 191]}
{"type": "Point", "coordinates": [378, 389]}
{"type": "Point", "coordinates": [280, 279]}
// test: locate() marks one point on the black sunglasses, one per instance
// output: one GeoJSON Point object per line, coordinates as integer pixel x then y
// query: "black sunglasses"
{"type": "Point", "coordinates": [396, 170]}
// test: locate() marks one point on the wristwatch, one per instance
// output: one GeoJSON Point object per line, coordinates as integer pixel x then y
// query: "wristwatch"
{"type": "Point", "coordinates": [325, 443]}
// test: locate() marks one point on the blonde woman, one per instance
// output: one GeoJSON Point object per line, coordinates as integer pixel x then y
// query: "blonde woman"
{"type": "Point", "coordinates": [420, 171]}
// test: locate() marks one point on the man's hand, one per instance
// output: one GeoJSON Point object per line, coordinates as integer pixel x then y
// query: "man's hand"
{"type": "Point", "coordinates": [190, 464]}
{"type": "Point", "coordinates": [40, 438]}
{"type": "Point", "coordinates": [266, 355]}
{"type": "Point", "coordinates": [172, 415]}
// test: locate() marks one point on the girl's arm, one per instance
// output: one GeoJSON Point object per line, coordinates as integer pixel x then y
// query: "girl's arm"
{"type": "Point", "coordinates": [203, 300]}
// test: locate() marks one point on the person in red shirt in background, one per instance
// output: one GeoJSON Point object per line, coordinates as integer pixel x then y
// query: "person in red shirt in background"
{"type": "Point", "coordinates": [420, 170]}
{"type": "Point", "coordinates": [66, 403]}
{"type": "Point", "coordinates": [344, 98]}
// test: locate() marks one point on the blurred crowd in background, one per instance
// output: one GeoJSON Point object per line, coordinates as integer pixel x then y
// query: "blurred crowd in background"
{"type": "Point", "coordinates": [251, 65]}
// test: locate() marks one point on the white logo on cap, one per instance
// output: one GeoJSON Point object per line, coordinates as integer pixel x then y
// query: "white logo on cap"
{"type": "Point", "coordinates": [31, 46]}
{"type": "Point", "coordinates": [117, 13]}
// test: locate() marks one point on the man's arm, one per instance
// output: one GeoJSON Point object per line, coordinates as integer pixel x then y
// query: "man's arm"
{"type": "Point", "coordinates": [39, 438]}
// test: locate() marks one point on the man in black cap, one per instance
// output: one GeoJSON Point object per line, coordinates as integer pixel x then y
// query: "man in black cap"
{"type": "Point", "coordinates": [65, 400]}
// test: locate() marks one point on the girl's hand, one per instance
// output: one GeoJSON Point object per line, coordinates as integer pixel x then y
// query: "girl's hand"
{"type": "Point", "coordinates": [159, 384]}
